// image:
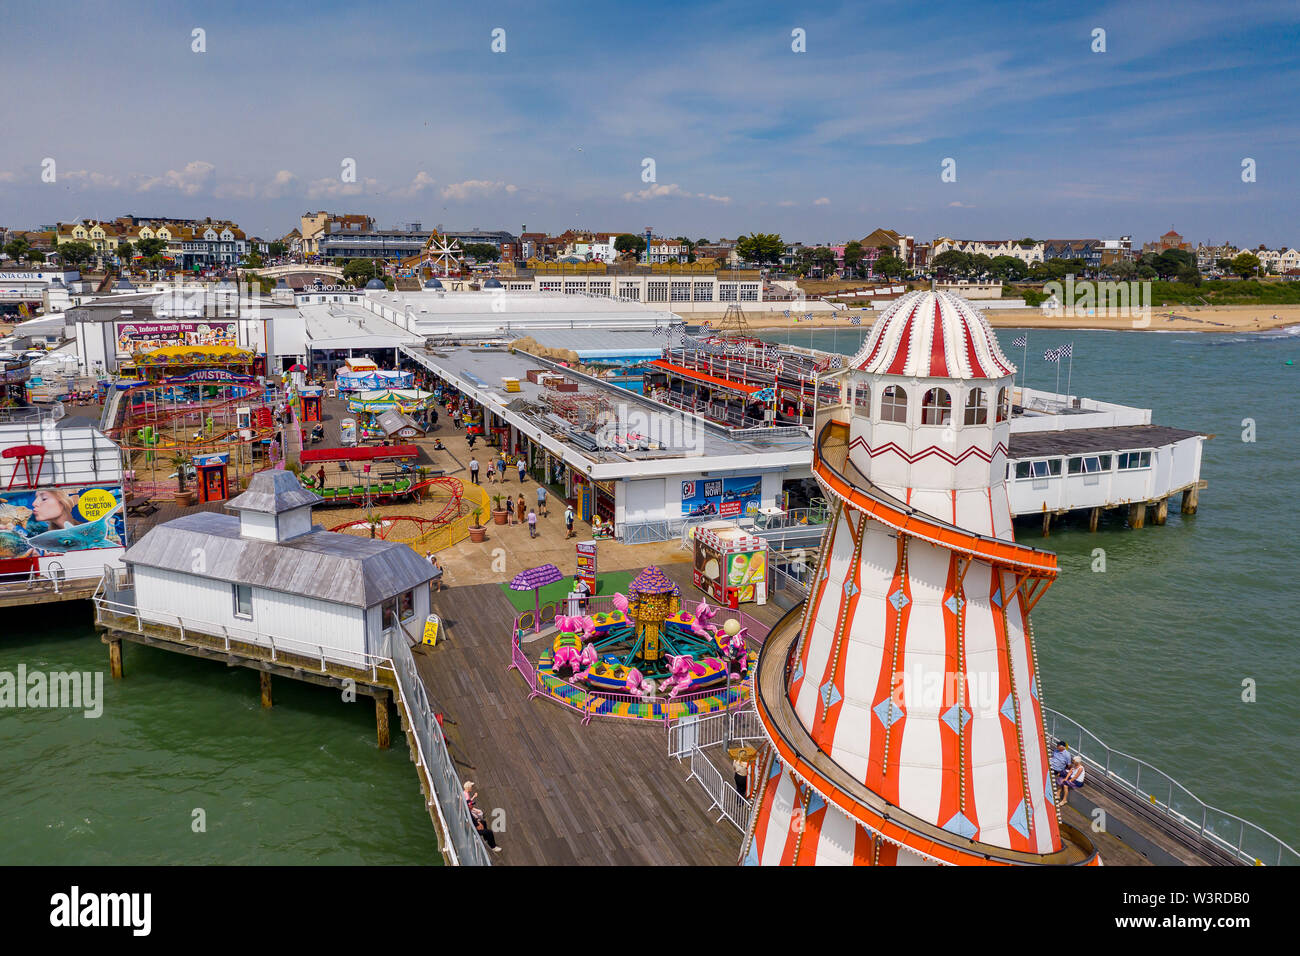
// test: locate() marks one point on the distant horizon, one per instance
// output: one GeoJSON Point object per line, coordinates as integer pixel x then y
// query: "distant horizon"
{"type": "Point", "coordinates": [959, 120]}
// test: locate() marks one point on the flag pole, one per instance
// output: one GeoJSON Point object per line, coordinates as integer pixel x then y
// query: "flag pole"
{"type": "Point", "coordinates": [1024, 370]}
{"type": "Point", "coordinates": [1058, 375]}
{"type": "Point", "coordinates": [1069, 373]}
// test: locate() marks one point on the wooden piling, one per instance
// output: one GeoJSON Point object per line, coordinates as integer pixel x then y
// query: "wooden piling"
{"type": "Point", "coordinates": [1137, 514]}
{"type": "Point", "coordinates": [381, 719]}
{"type": "Point", "coordinates": [115, 658]}
{"type": "Point", "coordinates": [266, 689]}
{"type": "Point", "coordinates": [1190, 498]}
{"type": "Point", "coordinates": [1047, 522]}
{"type": "Point", "coordinates": [1162, 510]}
{"type": "Point", "coordinates": [1093, 517]}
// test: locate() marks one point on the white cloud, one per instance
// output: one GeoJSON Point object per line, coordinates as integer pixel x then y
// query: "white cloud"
{"type": "Point", "coordinates": [787, 202]}
{"type": "Point", "coordinates": [280, 184]}
{"type": "Point", "coordinates": [419, 184]}
{"type": "Point", "coordinates": [7, 177]}
{"type": "Point", "coordinates": [475, 187]}
{"type": "Point", "coordinates": [714, 198]}
{"type": "Point", "coordinates": [333, 187]}
{"type": "Point", "coordinates": [87, 179]}
{"type": "Point", "coordinates": [190, 181]}
{"type": "Point", "coordinates": [960, 205]}
{"type": "Point", "coordinates": [821, 201]}
{"type": "Point", "coordinates": [657, 190]}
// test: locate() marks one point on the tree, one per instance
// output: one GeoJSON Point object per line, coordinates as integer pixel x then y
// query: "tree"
{"type": "Point", "coordinates": [17, 249]}
{"type": "Point", "coordinates": [36, 256]}
{"type": "Point", "coordinates": [954, 262]}
{"type": "Point", "coordinates": [124, 252]}
{"type": "Point", "coordinates": [150, 248]}
{"type": "Point", "coordinates": [1223, 265]}
{"type": "Point", "coordinates": [253, 260]}
{"type": "Point", "coordinates": [891, 265]}
{"type": "Point", "coordinates": [760, 247]}
{"type": "Point", "coordinates": [481, 251]}
{"type": "Point", "coordinates": [701, 242]}
{"type": "Point", "coordinates": [824, 258]}
{"type": "Point", "coordinates": [76, 253]}
{"type": "Point", "coordinates": [1245, 264]}
{"type": "Point", "coordinates": [1146, 272]}
{"type": "Point", "coordinates": [853, 254]}
{"type": "Point", "coordinates": [627, 242]}
{"type": "Point", "coordinates": [1008, 268]}
{"type": "Point", "coordinates": [1123, 269]}
{"type": "Point", "coordinates": [359, 271]}
{"type": "Point", "coordinates": [276, 249]}
{"type": "Point", "coordinates": [980, 264]}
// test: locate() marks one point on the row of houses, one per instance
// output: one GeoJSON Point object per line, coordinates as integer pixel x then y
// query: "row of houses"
{"type": "Point", "coordinates": [190, 243]}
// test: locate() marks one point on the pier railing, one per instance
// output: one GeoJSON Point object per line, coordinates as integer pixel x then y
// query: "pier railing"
{"type": "Point", "coordinates": [690, 738]}
{"type": "Point", "coordinates": [1243, 839]}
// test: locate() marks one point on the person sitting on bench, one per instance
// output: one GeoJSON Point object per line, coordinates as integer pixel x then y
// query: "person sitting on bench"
{"type": "Point", "coordinates": [1074, 777]}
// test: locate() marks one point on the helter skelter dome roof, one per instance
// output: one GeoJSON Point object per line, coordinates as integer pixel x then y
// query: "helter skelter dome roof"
{"type": "Point", "coordinates": [933, 335]}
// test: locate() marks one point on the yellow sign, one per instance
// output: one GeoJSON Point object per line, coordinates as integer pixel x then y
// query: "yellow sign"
{"type": "Point", "coordinates": [94, 503]}
{"type": "Point", "coordinates": [431, 630]}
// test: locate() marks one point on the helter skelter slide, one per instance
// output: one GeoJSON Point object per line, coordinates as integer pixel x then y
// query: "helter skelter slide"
{"type": "Point", "coordinates": [902, 702]}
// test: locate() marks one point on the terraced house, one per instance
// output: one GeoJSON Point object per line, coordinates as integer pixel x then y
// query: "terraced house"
{"type": "Point", "coordinates": [190, 243]}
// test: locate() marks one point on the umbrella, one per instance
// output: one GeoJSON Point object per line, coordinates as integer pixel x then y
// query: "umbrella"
{"type": "Point", "coordinates": [533, 580]}
{"type": "Point", "coordinates": [298, 368]}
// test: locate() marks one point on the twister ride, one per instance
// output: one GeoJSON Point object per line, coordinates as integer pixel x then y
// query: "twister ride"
{"type": "Point", "coordinates": [645, 658]}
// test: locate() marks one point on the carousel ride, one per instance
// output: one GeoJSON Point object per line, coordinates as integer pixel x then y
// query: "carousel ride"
{"type": "Point", "coordinates": [648, 657]}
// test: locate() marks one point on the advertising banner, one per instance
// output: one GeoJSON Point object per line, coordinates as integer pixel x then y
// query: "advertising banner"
{"type": "Point", "coordinates": [721, 497]}
{"type": "Point", "coordinates": [45, 521]}
{"type": "Point", "coordinates": [135, 337]}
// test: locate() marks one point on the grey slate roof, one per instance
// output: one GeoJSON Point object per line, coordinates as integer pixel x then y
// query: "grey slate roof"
{"type": "Point", "coordinates": [273, 492]}
{"type": "Point", "coordinates": [341, 568]}
{"type": "Point", "coordinates": [1076, 441]}
{"type": "Point", "coordinates": [393, 421]}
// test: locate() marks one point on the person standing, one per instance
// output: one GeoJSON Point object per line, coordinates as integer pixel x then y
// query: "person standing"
{"type": "Point", "coordinates": [568, 521]}
{"type": "Point", "coordinates": [523, 469]}
{"type": "Point", "coordinates": [473, 469]}
{"type": "Point", "coordinates": [541, 499]}
{"type": "Point", "coordinates": [521, 509]}
{"type": "Point", "coordinates": [532, 523]}
{"type": "Point", "coordinates": [501, 468]}
{"type": "Point", "coordinates": [741, 770]}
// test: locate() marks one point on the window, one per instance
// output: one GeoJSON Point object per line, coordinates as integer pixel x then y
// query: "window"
{"type": "Point", "coordinates": [1089, 464]}
{"type": "Point", "coordinates": [1134, 459]}
{"type": "Point", "coordinates": [1049, 468]}
{"type": "Point", "coordinates": [628, 290]}
{"type": "Point", "coordinates": [893, 404]}
{"type": "Point", "coordinates": [976, 411]}
{"type": "Point", "coordinates": [681, 292]}
{"type": "Point", "coordinates": [749, 292]}
{"type": "Point", "coordinates": [727, 291]}
{"type": "Point", "coordinates": [862, 397]}
{"type": "Point", "coordinates": [406, 605]}
{"type": "Point", "coordinates": [243, 601]}
{"type": "Point", "coordinates": [390, 613]}
{"type": "Point", "coordinates": [1004, 404]}
{"type": "Point", "coordinates": [936, 409]}
{"type": "Point", "coordinates": [656, 292]}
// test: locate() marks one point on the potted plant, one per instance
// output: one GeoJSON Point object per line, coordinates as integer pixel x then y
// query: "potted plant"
{"type": "Point", "coordinates": [477, 532]}
{"type": "Point", "coordinates": [181, 496]}
{"type": "Point", "coordinates": [500, 515]}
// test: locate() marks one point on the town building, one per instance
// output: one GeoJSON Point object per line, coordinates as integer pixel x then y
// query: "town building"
{"type": "Point", "coordinates": [1028, 253]}
{"type": "Point", "coordinates": [1170, 240]}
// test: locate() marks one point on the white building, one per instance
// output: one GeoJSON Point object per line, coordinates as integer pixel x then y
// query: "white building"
{"type": "Point", "coordinates": [990, 247]}
{"type": "Point", "coordinates": [270, 577]}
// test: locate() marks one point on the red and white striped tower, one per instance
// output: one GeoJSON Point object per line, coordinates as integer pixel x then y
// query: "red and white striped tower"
{"type": "Point", "coordinates": [902, 702]}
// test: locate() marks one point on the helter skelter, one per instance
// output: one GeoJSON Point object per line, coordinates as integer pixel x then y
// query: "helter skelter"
{"type": "Point", "coordinates": [902, 704]}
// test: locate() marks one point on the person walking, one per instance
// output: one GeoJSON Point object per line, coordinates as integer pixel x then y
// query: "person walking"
{"type": "Point", "coordinates": [568, 521]}
{"type": "Point", "coordinates": [521, 509]}
{"type": "Point", "coordinates": [523, 469]}
{"type": "Point", "coordinates": [470, 439]}
{"type": "Point", "coordinates": [501, 468]}
{"type": "Point", "coordinates": [532, 523]}
{"type": "Point", "coordinates": [437, 569]}
{"type": "Point", "coordinates": [473, 470]}
{"type": "Point", "coordinates": [541, 500]}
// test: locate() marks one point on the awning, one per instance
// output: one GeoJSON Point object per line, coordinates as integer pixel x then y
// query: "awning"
{"type": "Point", "coordinates": [707, 379]}
{"type": "Point", "coordinates": [364, 453]}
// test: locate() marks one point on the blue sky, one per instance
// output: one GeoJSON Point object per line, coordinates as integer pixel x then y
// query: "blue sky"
{"type": "Point", "coordinates": [1050, 139]}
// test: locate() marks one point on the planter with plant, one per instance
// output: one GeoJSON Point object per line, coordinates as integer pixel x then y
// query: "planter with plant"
{"type": "Point", "coordinates": [500, 514]}
{"type": "Point", "coordinates": [182, 496]}
{"type": "Point", "coordinates": [477, 532]}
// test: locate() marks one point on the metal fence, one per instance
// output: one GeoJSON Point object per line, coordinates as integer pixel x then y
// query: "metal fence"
{"type": "Point", "coordinates": [1249, 843]}
{"type": "Point", "coordinates": [690, 737]}
{"type": "Point", "coordinates": [642, 532]}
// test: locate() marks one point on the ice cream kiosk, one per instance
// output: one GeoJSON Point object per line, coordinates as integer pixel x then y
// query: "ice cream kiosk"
{"type": "Point", "coordinates": [730, 564]}
{"type": "Point", "coordinates": [211, 477]}
{"type": "Point", "coordinates": [311, 399]}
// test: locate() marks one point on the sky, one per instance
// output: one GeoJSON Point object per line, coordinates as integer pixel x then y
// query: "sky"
{"type": "Point", "coordinates": [1047, 136]}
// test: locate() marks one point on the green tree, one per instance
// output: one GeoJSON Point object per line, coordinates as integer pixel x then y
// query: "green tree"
{"type": "Point", "coordinates": [1245, 264]}
{"type": "Point", "coordinates": [853, 254]}
{"type": "Point", "coordinates": [1223, 265]}
{"type": "Point", "coordinates": [124, 252]}
{"type": "Point", "coordinates": [952, 262]}
{"type": "Point", "coordinates": [760, 247]}
{"type": "Point", "coordinates": [1008, 268]}
{"type": "Point", "coordinates": [276, 249]}
{"type": "Point", "coordinates": [36, 256]}
{"type": "Point", "coordinates": [1123, 269]}
{"type": "Point", "coordinates": [980, 264]}
{"type": "Point", "coordinates": [891, 266]}
{"type": "Point", "coordinates": [150, 248]}
{"type": "Point", "coordinates": [16, 249]}
{"type": "Point", "coordinates": [76, 253]}
{"type": "Point", "coordinates": [482, 251]}
{"type": "Point", "coordinates": [627, 242]}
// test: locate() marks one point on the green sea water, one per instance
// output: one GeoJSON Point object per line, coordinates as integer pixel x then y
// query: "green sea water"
{"type": "Point", "coordinates": [302, 782]}
{"type": "Point", "coordinates": [1151, 654]}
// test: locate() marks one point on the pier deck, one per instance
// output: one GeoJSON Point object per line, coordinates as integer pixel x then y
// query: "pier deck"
{"type": "Point", "coordinates": [605, 793]}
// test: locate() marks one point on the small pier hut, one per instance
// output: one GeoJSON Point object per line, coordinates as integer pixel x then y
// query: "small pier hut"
{"type": "Point", "coordinates": [269, 577]}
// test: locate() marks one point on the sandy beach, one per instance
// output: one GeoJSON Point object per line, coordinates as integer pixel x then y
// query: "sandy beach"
{"type": "Point", "coordinates": [1224, 318]}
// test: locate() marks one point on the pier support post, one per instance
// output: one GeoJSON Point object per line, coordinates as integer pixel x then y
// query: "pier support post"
{"type": "Point", "coordinates": [115, 658]}
{"type": "Point", "coordinates": [1047, 523]}
{"type": "Point", "coordinates": [1093, 517]}
{"type": "Point", "coordinates": [1190, 496]}
{"type": "Point", "coordinates": [1137, 514]}
{"type": "Point", "coordinates": [266, 689]}
{"type": "Point", "coordinates": [381, 719]}
{"type": "Point", "coordinates": [1162, 510]}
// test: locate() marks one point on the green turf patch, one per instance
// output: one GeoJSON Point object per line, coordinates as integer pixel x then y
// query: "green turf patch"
{"type": "Point", "coordinates": [605, 584]}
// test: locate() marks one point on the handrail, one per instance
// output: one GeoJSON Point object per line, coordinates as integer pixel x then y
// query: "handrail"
{"type": "Point", "coordinates": [1103, 761]}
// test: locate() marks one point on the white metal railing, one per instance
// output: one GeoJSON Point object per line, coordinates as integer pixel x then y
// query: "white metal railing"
{"type": "Point", "coordinates": [465, 846]}
{"type": "Point", "coordinates": [726, 800]}
{"type": "Point", "coordinates": [1244, 840]}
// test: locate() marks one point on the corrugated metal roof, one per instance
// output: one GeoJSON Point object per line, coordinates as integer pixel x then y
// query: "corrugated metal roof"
{"type": "Point", "coordinates": [341, 568]}
{"type": "Point", "coordinates": [273, 492]}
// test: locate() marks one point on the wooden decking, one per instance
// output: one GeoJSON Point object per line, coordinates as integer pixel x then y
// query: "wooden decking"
{"type": "Point", "coordinates": [605, 793]}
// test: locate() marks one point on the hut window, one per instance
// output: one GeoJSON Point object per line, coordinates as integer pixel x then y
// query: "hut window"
{"type": "Point", "coordinates": [977, 412]}
{"type": "Point", "coordinates": [1134, 459]}
{"type": "Point", "coordinates": [893, 404]}
{"type": "Point", "coordinates": [406, 605]}
{"type": "Point", "coordinates": [390, 613]}
{"type": "Point", "coordinates": [937, 407]}
{"type": "Point", "coordinates": [1004, 404]}
{"type": "Point", "coordinates": [243, 601]}
{"type": "Point", "coordinates": [862, 396]}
